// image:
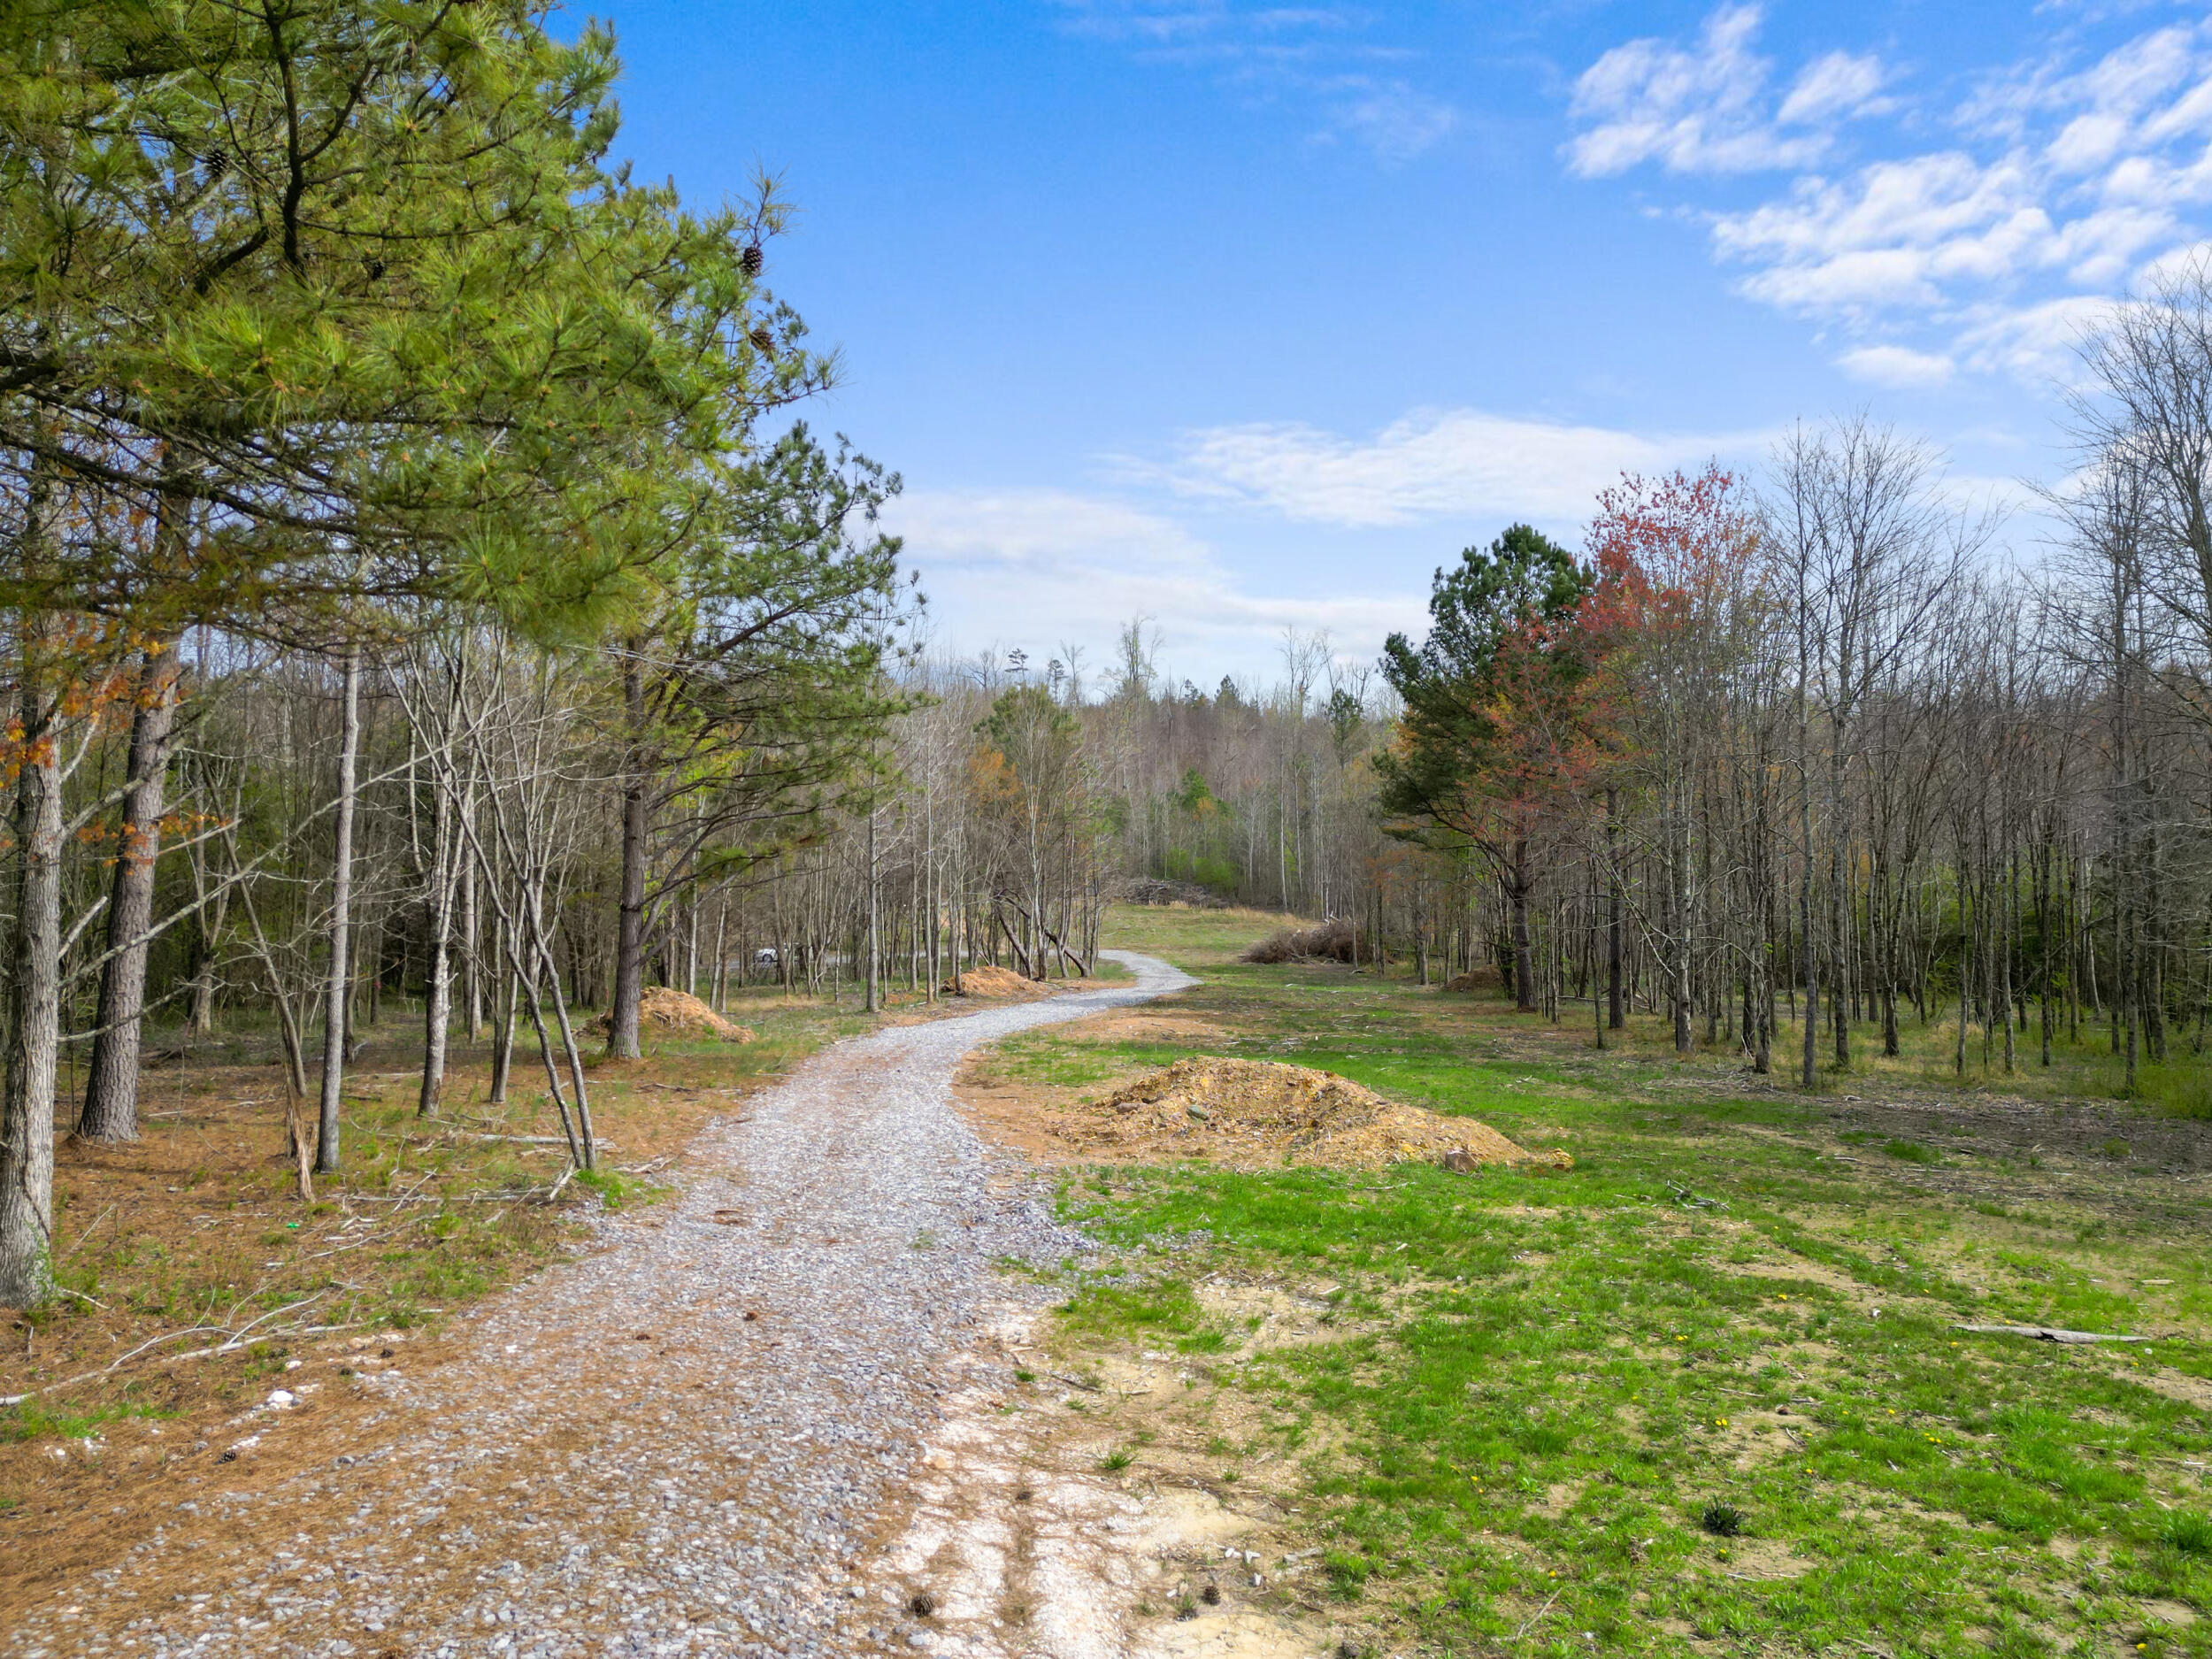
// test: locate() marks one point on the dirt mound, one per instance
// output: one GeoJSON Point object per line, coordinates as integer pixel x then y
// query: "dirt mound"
{"type": "Point", "coordinates": [990, 983]}
{"type": "Point", "coordinates": [1258, 1114]}
{"type": "Point", "coordinates": [1333, 941]}
{"type": "Point", "coordinates": [676, 1014]}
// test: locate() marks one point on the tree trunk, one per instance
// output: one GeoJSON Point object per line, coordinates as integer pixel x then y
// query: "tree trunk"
{"type": "Point", "coordinates": [202, 1018]}
{"type": "Point", "coordinates": [629, 950]}
{"type": "Point", "coordinates": [341, 918]}
{"type": "Point", "coordinates": [1523, 953]}
{"type": "Point", "coordinates": [26, 1095]}
{"type": "Point", "coordinates": [503, 1037]}
{"type": "Point", "coordinates": [874, 939]}
{"type": "Point", "coordinates": [437, 1002]}
{"type": "Point", "coordinates": [472, 969]}
{"type": "Point", "coordinates": [110, 1102]}
{"type": "Point", "coordinates": [1615, 1012]}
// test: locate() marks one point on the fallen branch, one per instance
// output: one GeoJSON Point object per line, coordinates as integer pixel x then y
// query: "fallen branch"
{"type": "Point", "coordinates": [2050, 1333]}
{"type": "Point", "coordinates": [87, 1233]}
{"type": "Point", "coordinates": [230, 1345]}
{"type": "Point", "coordinates": [266, 1336]}
{"type": "Point", "coordinates": [404, 1198]}
{"type": "Point", "coordinates": [1538, 1614]}
{"type": "Point", "coordinates": [1075, 1382]}
{"type": "Point", "coordinates": [153, 1341]}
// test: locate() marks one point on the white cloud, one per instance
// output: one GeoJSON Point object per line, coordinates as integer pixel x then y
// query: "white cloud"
{"type": "Point", "coordinates": [2173, 263]}
{"type": "Point", "coordinates": [1831, 88]}
{"type": "Point", "coordinates": [1435, 463]}
{"type": "Point", "coordinates": [1027, 527]}
{"type": "Point", "coordinates": [1042, 566]}
{"type": "Point", "coordinates": [1315, 57]}
{"type": "Point", "coordinates": [2035, 341]}
{"type": "Point", "coordinates": [2087, 142]}
{"type": "Point", "coordinates": [1703, 108]}
{"type": "Point", "coordinates": [1899, 368]}
{"type": "Point", "coordinates": [1891, 235]}
{"type": "Point", "coordinates": [2063, 179]}
{"type": "Point", "coordinates": [1393, 120]}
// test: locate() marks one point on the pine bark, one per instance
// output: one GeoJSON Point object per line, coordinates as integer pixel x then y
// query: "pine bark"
{"type": "Point", "coordinates": [110, 1104]}
{"type": "Point", "coordinates": [26, 1094]}
{"type": "Point", "coordinates": [629, 950]}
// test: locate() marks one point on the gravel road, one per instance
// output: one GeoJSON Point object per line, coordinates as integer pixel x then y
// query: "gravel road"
{"type": "Point", "coordinates": [683, 1442]}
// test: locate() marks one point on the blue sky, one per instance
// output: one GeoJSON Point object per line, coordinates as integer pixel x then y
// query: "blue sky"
{"type": "Point", "coordinates": [1244, 318]}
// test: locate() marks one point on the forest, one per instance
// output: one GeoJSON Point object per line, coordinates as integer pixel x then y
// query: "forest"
{"type": "Point", "coordinates": [426, 605]}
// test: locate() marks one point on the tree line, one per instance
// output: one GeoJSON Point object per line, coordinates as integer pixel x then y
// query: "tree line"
{"type": "Point", "coordinates": [422, 602]}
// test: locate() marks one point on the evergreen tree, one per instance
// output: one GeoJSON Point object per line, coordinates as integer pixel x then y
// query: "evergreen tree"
{"type": "Point", "coordinates": [1487, 721]}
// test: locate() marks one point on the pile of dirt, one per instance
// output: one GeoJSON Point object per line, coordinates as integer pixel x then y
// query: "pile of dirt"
{"type": "Point", "coordinates": [678, 1014]}
{"type": "Point", "coordinates": [1259, 1114]}
{"type": "Point", "coordinates": [1333, 941]}
{"type": "Point", "coordinates": [990, 984]}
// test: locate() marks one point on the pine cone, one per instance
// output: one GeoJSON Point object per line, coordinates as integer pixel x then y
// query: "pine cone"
{"type": "Point", "coordinates": [752, 260]}
{"type": "Point", "coordinates": [217, 162]}
{"type": "Point", "coordinates": [763, 341]}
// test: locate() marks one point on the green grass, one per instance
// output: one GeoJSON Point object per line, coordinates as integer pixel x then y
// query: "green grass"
{"type": "Point", "coordinates": [1577, 1403]}
{"type": "Point", "coordinates": [32, 1419]}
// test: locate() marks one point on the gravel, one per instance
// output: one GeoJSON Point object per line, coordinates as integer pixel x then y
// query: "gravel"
{"type": "Point", "coordinates": [683, 1442]}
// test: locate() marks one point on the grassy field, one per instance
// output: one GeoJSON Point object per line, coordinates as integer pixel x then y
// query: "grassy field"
{"type": "Point", "coordinates": [1705, 1393]}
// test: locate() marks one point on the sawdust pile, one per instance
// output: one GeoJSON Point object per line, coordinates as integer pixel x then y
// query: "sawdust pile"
{"type": "Point", "coordinates": [993, 984]}
{"type": "Point", "coordinates": [663, 1012]}
{"type": "Point", "coordinates": [1258, 1114]}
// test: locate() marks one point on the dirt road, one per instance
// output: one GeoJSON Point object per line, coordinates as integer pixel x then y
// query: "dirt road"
{"type": "Point", "coordinates": [684, 1441]}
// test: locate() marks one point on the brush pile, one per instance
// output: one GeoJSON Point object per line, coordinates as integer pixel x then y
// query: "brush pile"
{"type": "Point", "coordinates": [1257, 1115]}
{"type": "Point", "coordinates": [1333, 941]}
{"type": "Point", "coordinates": [1160, 890]}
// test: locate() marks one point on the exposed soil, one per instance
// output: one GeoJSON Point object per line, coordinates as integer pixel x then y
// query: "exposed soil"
{"type": "Point", "coordinates": [1237, 1114]}
{"type": "Point", "coordinates": [1086, 1502]}
{"type": "Point", "coordinates": [1261, 1114]}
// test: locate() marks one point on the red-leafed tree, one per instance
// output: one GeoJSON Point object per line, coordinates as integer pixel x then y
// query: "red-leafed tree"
{"type": "Point", "coordinates": [1673, 618]}
{"type": "Point", "coordinates": [1497, 737]}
